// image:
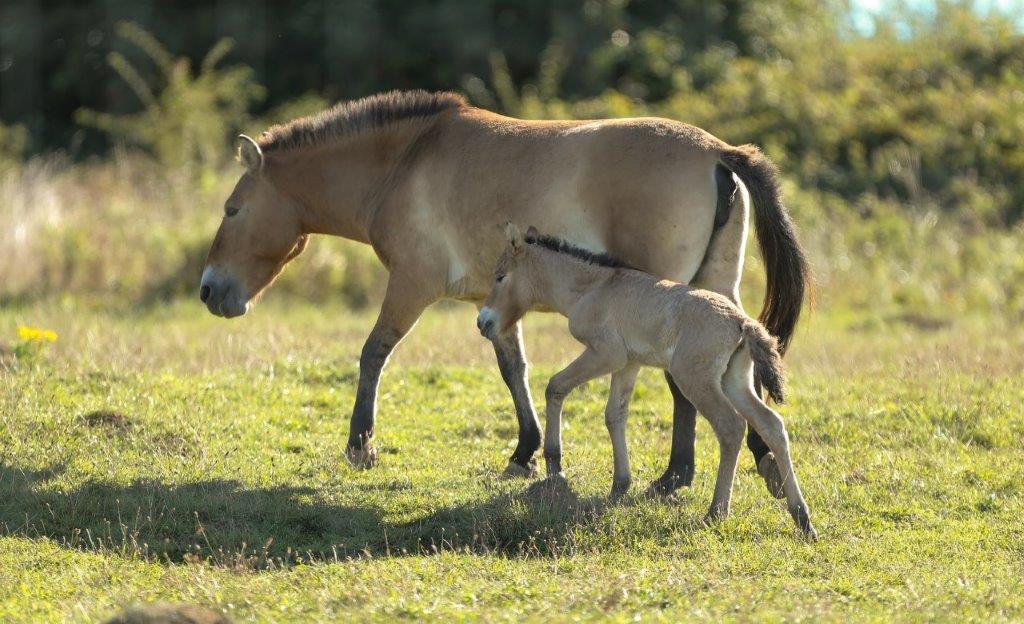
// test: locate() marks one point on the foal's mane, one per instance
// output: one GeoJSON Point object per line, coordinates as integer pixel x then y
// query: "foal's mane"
{"type": "Point", "coordinates": [357, 116]}
{"type": "Point", "coordinates": [565, 247]}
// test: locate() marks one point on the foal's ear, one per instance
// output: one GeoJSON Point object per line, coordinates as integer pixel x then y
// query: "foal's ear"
{"type": "Point", "coordinates": [250, 154]}
{"type": "Point", "coordinates": [514, 236]}
{"type": "Point", "coordinates": [531, 232]}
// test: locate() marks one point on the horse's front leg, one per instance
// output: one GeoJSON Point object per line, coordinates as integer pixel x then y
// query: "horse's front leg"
{"type": "Point", "coordinates": [402, 307]}
{"type": "Point", "coordinates": [512, 362]}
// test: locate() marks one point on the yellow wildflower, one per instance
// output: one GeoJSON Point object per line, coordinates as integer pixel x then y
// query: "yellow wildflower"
{"type": "Point", "coordinates": [35, 334]}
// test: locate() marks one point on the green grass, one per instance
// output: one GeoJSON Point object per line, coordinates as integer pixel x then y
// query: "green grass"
{"type": "Point", "coordinates": [170, 456]}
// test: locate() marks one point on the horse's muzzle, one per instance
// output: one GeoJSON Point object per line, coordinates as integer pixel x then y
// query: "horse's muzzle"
{"type": "Point", "coordinates": [221, 294]}
{"type": "Point", "coordinates": [486, 322]}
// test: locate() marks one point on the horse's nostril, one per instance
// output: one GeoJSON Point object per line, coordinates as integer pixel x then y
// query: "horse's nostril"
{"type": "Point", "coordinates": [204, 292]}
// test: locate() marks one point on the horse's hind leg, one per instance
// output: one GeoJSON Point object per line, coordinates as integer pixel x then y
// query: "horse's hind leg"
{"type": "Point", "coordinates": [738, 384]}
{"type": "Point", "coordinates": [681, 461]}
{"type": "Point", "coordinates": [720, 272]}
{"type": "Point", "coordinates": [512, 363]}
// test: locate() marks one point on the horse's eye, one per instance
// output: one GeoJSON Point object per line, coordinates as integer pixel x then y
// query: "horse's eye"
{"type": "Point", "coordinates": [230, 212]}
{"type": "Point", "coordinates": [499, 278]}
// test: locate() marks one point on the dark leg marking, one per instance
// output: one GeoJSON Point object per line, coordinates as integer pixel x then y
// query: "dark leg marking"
{"type": "Point", "coordinates": [512, 364]}
{"type": "Point", "coordinates": [684, 435]}
{"type": "Point", "coordinates": [371, 361]}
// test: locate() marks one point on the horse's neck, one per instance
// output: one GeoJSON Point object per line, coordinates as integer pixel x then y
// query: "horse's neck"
{"type": "Point", "coordinates": [342, 185]}
{"type": "Point", "coordinates": [561, 280]}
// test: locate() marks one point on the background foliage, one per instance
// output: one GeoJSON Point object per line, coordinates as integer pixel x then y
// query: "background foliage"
{"type": "Point", "coordinates": [901, 142]}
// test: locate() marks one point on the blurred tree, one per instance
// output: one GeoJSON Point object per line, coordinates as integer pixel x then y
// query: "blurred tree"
{"type": "Point", "coordinates": [188, 116]}
{"type": "Point", "coordinates": [928, 106]}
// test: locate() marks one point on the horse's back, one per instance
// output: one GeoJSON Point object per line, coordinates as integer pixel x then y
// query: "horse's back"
{"type": "Point", "coordinates": [641, 189]}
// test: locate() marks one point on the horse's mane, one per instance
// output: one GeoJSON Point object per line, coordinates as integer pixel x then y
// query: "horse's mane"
{"type": "Point", "coordinates": [357, 116]}
{"type": "Point", "coordinates": [564, 247]}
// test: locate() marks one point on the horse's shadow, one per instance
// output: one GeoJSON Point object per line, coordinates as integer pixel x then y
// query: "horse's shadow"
{"type": "Point", "coordinates": [229, 523]}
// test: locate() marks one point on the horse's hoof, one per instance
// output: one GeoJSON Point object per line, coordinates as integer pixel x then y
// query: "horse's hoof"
{"type": "Point", "coordinates": [518, 471]}
{"type": "Point", "coordinates": [557, 477]}
{"type": "Point", "coordinates": [769, 471]}
{"type": "Point", "coordinates": [362, 459]}
{"type": "Point", "coordinates": [666, 485]}
{"type": "Point", "coordinates": [810, 533]}
{"type": "Point", "coordinates": [715, 515]}
{"type": "Point", "coordinates": [553, 466]}
{"type": "Point", "coordinates": [802, 516]}
{"type": "Point", "coordinates": [619, 489]}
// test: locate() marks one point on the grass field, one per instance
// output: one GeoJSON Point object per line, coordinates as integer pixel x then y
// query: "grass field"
{"type": "Point", "coordinates": [166, 455]}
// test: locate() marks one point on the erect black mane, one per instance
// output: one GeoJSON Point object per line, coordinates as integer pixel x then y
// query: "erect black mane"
{"type": "Point", "coordinates": [562, 246]}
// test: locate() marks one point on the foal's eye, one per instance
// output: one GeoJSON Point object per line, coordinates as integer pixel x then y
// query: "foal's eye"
{"type": "Point", "coordinates": [499, 278]}
{"type": "Point", "coordinates": [230, 212]}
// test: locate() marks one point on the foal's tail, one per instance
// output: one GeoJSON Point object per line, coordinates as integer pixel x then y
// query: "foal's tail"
{"type": "Point", "coordinates": [764, 350]}
{"type": "Point", "coordinates": [784, 259]}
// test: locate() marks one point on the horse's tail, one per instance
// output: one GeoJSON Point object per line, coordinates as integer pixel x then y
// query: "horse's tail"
{"type": "Point", "coordinates": [785, 263]}
{"type": "Point", "coordinates": [764, 350]}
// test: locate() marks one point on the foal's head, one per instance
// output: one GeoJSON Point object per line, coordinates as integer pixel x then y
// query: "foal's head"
{"type": "Point", "coordinates": [512, 292]}
{"type": "Point", "coordinates": [260, 233]}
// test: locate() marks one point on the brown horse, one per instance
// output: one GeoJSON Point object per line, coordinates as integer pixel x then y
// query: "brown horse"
{"type": "Point", "coordinates": [427, 180]}
{"type": "Point", "coordinates": [627, 319]}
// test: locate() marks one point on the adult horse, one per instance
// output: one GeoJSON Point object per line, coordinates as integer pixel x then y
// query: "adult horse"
{"type": "Point", "coordinates": [428, 180]}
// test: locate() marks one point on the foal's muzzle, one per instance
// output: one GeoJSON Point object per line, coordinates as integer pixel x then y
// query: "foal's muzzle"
{"type": "Point", "coordinates": [222, 294]}
{"type": "Point", "coordinates": [486, 321]}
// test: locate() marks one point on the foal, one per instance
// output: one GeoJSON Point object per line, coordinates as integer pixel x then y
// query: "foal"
{"type": "Point", "coordinates": [626, 319]}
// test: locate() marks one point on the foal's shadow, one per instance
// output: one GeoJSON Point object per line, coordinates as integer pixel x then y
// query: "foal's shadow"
{"type": "Point", "coordinates": [542, 519]}
{"type": "Point", "coordinates": [227, 522]}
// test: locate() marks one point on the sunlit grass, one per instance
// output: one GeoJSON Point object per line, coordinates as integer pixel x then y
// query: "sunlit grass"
{"type": "Point", "coordinates": [174, 456]}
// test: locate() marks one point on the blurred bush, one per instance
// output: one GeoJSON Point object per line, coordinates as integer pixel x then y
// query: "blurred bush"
{"type": "Point", "coordinates": [12, 145]}
{"type": "Point", "coordinates": [901, 149]}
{"type": "Point", "coordinates": [187, 117]}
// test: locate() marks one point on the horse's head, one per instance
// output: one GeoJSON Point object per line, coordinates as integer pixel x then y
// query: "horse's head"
{"type": "Point", "coordinates": [512, 292]}
{"type": "Point", "coordinates": [259, 234]}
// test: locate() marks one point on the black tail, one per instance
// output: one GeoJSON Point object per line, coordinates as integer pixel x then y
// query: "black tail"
{"type": "Point", "coordinates": [764, 351]}
{"type": "Point", "coordinates": [784, 259]}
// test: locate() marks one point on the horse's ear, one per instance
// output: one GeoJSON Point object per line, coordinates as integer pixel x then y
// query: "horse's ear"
{"type": "Point", "coordinates": [250, 154]}
{"type": "Point", "coordinates": [531, 232]}
{"type": "Point", "coordinates": [300, 246]}
{"type": "Point", "coordinates": [514, 236]}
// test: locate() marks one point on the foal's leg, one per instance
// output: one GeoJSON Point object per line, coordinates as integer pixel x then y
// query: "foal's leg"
{"type": "Point", "coordinates": [615, 415]}
{"type": "Point", "coordinates": [721, 272]}
{"type": "Point", "coordinates": [512, 363]}
{"type": "Point", "coordinates": [769, 424]}
{"type": "Point", "coordinates": [704, 389]}
{"type": "Point", "coordinates": [589, 365]}
{"type": "Point", "coordinates": [684, 432]}
{"type": "Point", "coordinates": [402, 307]}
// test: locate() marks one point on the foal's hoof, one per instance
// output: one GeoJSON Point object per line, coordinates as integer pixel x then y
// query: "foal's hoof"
{"type": "Point", "coordinates": [619, 489]}
{"type": "Point", "coordinates": [362, 459]}
{"type": "Point", "coordinates": [802, 516]}
{"type": "Point", "coordinates": [711, 520]}
{"type": "Point", "coordinates": [769, 471]}
{"type": "Point", "coordinates": [810, 533]}
{"type": "Point", "coordinates": [518, 471]}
